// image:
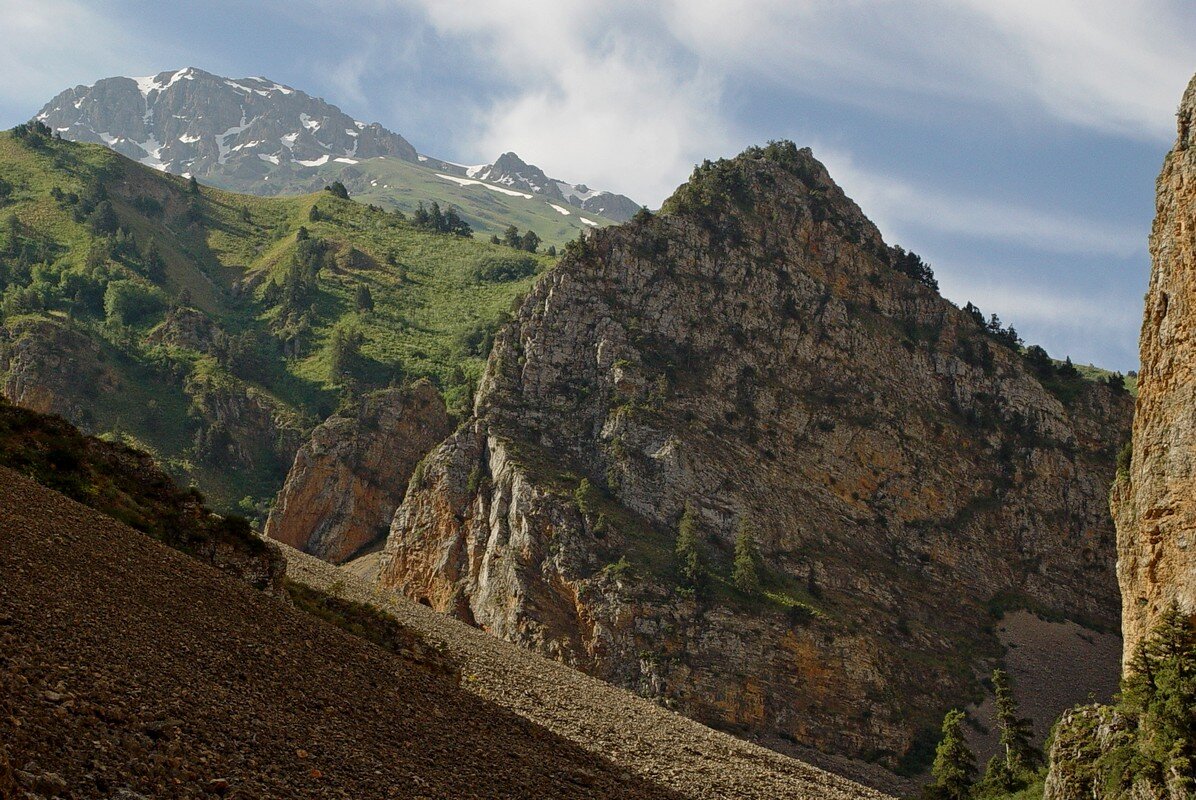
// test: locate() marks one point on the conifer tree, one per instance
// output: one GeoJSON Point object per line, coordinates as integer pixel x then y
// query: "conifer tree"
{"type": "Point", "coordinates": [530, 242]}
{"type": "Point", "coordinates": [1017, 733]}
{"type": "Point", "coordinates": [192, 185]}
{"type": "Point", "coordinates": [954, 766]}
{"type": "Point", "coordinates": [745, 573]}
{"type": "Point", "coordinates": [689, 555]}
{"type": "Point", "coordinates": [365, 300]}
{"type": "Point", "coordinates": [511, 238]}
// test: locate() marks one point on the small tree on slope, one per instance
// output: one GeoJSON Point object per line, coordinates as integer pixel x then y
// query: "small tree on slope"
{"type": "Point", "coordinates": [954, 765]}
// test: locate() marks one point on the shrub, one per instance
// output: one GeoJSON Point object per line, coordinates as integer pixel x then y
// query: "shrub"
{"type": "Point", "coordinates": [503, 269]}
{"type": "Point", "coordinates": [130, 302]}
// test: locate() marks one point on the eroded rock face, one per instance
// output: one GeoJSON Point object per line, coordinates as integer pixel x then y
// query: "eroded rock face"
{"type": "Point", "coordinates": [340, 496]}
{"type": "Point", "coordinates": [753, 352]}
{"type": "Point", "coordinates": [50, 368]}
{"type": "Point", "coordinates": [1153, 501]}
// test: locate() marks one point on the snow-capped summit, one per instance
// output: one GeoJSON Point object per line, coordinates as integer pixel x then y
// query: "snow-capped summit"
{"type": "Point", "coordinates": [191, 121]}
{"type": "Point", "coordinates": [513, 172]}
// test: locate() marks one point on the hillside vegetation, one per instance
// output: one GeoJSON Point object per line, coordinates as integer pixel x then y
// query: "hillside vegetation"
{"type": "Point", "coordinates": [214, 329]}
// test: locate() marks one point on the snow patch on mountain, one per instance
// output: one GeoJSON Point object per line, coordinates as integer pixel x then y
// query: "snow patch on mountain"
{"type": "Point", "coordinates": [468, 182]}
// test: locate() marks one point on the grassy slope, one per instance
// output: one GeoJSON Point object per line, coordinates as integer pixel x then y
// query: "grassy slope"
{"type": "Point", "coordinates": [395, 184]}
{"type": "Point", "coordinates": [243, 241]}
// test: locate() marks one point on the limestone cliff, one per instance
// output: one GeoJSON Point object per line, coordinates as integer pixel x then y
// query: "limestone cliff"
{"type": "Point", "coordinates": [758, 352]}
{"type": "Point", "coordinates": [340, 496]}
{"type": "Point", "coordinates": [1153, 499]}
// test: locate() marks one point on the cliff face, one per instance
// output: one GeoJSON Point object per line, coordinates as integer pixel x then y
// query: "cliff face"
{"type": "Point", "coordinates": [1153, 501]}
{"type": "Point", "coordinates": [340, 496]}
{"type": "Point", "coordinates": [753, 352]}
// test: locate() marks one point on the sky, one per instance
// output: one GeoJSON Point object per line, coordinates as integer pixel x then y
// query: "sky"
{"type": "Point", "coordinates": [1014, 145]}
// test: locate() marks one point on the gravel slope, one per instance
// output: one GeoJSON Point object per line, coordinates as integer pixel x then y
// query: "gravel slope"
{"type": "Point", "coordinates": [129, 670]}
{"type": "Point", "coordinates": [650, 741]}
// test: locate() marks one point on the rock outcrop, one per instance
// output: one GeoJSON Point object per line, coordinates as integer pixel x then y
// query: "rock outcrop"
{"type": "Point", "coordinates": [1153, 500]}
{"type": "Point", "coordinates": [756, 352]}
{"type": "Point", "coordinates": [347, 480]}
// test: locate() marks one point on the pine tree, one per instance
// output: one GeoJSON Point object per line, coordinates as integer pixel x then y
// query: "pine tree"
{"type": "Point", "coordinates": [192, 185]}
{"type": "Point", "coordinates": [302, 235]}
{"type": "Point", "coordinates": [314, 214]}
{"type": "Point", "coordinates": [531, 241]}
{"type": "Point", "coordinates": [954, 766]}
{"type": "Point", "coordinates": [494, 239]}
{"type": "Point", "coordinates": [436, 217]}
{"type": "Point", "coordinates": [511, 238]}
{"type": "Point", "coordinates": [1017, 733]}
{"type": "Point", "coordinates": [551, 250]}
{"type": "Point", "coordinates": [365, 301]}
{"type": "Point", "coordinates": [745, 573]}
{"type": "Point", "coordinates": [420, 218]}
{"type": "Point", "coordinates": [689, 555]}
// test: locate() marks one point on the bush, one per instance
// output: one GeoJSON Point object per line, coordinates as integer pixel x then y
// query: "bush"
{"type": "Point", "coordinates": [503, 269]}
{"type": "Point", "coordinates": [129, 302]}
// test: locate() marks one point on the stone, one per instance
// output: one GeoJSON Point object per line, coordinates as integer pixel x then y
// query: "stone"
{"type": "Point", "coordinates": [1152, 500]}
{"type": "Point", "coordinates": [347, 480]}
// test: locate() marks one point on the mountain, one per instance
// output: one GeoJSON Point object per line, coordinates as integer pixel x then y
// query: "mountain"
{"type": "Point", "coordinates": [192, 122]}
{"type": "Point", "coordinates": [255, 135]}
{"type": "Point", "coordinates": [512, 171]}
{"type": "Point", "coordinates": [216, 330]}
{"type": "Point", "coordinates": [753, 381]}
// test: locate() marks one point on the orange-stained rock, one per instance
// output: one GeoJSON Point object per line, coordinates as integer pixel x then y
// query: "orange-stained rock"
{"type": "Point", "coordinates": [1154, 501]}
{"type": "Point", "coordinates": [347, 480]}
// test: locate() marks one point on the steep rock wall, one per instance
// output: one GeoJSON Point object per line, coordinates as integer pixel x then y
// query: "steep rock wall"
{"type": "Point", "coordinates": [754, 353]}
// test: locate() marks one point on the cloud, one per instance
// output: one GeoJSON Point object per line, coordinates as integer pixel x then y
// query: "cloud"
{"type": "Point", "coordinates": [50, 45]}
{"type": "Point", "coordinates": [899, 206]}
{"type": "Point", "coordinates": [596, 90]}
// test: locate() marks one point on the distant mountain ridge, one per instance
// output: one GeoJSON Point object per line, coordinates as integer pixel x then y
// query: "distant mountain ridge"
{"type": "Point", "coordinates": [510, 170]}
{"type": "Point", "coordinates": [257, 135]}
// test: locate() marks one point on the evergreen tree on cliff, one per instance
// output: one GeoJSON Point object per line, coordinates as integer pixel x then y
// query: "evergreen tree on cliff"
{"type": "Point", "coordinates": [954, 767]}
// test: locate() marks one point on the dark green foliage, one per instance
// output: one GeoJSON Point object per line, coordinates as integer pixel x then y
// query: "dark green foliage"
{"type": "Point", "coordinates": [912, 265]}
{"type": "Point", "coordinates": [337, 189]}
{"type": "Point", "coordinates": [302, 235]}
{"type": "Point", "coordinates": [502, 269]}
{"type": "Point", "coordinates": [1159, 691]}
{"type": "Point", "coordinates": [364, 300]}
{"type": "Point", "coordinates": [103, 219]}
{"type": "Point", "coordinates": [551, 251]}
{"type": "Point", "coordinates": [1015, 768]}
{"type": "Point", "coordinates": [511, 238]}
{"type": "Point", "coordinates": [154, 267]}
{"type": "Point", "coordinates": [435, 219]}
{"type": "Point", "coordinates": [478, 340]}
{"type": "Point", "coordinates": [691, 566]}
{"type": "Point", "coordinates": [745, 572]}
{"type": "Point", "coordinates": [344, 354]}
{"type": "Point", "coordinates": [314, 214]}
{"type": "Point", "coordinates": [531, 242]}
{"type": "Point", "coordinates": [586, 497]}
{"type": "Point", "coordinates": [1125, 460]}
{"type": "Point", "coordinates": [954, 768]}
{"type": "Point", "coordinates": [129, 302]}
{"type": "Point", "coordinates": [192, 185]}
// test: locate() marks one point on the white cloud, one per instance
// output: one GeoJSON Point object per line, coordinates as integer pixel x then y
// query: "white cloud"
{"type": "Point", "coordinates": [629, 95]}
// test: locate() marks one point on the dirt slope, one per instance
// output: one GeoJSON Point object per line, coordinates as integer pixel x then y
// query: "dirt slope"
{"type": "Point", "coordinates": [130, 670]}
{"type": "Point", "coordinates": [635, 733]}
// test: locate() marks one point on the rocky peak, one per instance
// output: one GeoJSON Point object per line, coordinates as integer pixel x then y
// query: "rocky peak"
{"type": "Point", "coordinates": [1152, 500]}
{"type": "Point", "coordinates": [511, 170]}
{"type": "Point", "coordinates": [755, 353]}
{"type": "Point", "coordinates": [194, 122]}
{"type": "Point", "coordinates": [349, 478]}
